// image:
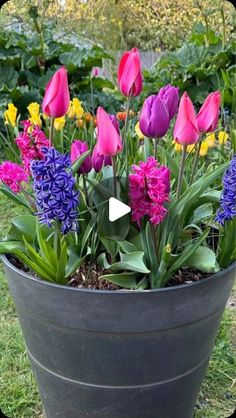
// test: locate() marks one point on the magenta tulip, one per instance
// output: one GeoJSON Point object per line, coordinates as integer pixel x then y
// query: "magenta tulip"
{"type": "Point", "coordinates": [129, 73]}
{"type": "Point", "coordinates": [77, 149]}
{"type": "Point", "coordinates": [99, 160]}
{"type": "Point", "coordinates": [208, 115]}
{"type": "Point", "coordinates": [170, 95]}
{"type": "Point", "coordinates": [108, 139]}
{"type": "Point", "coordinates": [95, 72]}
{"type": "Point", "coordinates": [186, 129]}
{"type": "Point", "coordinates": [154, 119]}
{"type": "Point", "coordinates": [57, 96]}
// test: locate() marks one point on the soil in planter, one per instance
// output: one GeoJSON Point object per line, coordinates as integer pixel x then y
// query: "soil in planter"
{"type": "Point", "coordinates": [88, 276]}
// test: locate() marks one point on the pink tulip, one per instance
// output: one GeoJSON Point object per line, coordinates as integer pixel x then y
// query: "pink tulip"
{"type": "Point", "coordinates": [208, 115]}
{"type": "Point", "coordinates": [95, 72]}
{"type": "Point", "coordinates": [186, 129]}
{"type": "Point", "coordinates": [57, 96]}
{"type": "Point", "coordinates": [78, 148]}
{"type": "Point", "coordinates": [108, 139]}
{"type": "Point", "coordinates": [129, 73]}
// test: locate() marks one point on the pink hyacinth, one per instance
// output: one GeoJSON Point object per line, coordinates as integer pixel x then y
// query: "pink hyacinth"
{"type": "Point", "coordinates": [30, 143]}
{"type": "Point", "coordinates": [13, 175]}
{"type": "Point", "coordinates": [149, 187]}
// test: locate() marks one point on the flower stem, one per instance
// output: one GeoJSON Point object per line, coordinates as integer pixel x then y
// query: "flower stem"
{"type": "Point", "coordinates": [195, 162]}
{"type": "Point", "coordinates": [125, 139]}
{"type": "Point", "coordinates": [114, 176]}
{"type": "Point", "coordinates": [92, 95]}
{"type": "Point", "coordinates": [155, 149]}
{"type": "Point", "coordinates": [51, 131]}
{"type": "Point", "coordinates": [181, 172]}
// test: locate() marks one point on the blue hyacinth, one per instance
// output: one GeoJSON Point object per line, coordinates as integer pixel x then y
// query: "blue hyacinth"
{"type": "Point", "coordinates": [227, 210]}
{"type": "Point", "coordinates": [54, 187]}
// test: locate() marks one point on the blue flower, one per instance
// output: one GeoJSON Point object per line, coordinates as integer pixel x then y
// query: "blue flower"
{"type": "Point", "coordinates": [227, 210]}
{"type": "Point", "coordinates": [54, 187]}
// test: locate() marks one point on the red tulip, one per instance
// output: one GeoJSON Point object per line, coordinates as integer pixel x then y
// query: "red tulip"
{"type": "Point", "coordinates": [108, 139]}
{"type": "Point", "coordinates": [208, 115]}
{"type": "Point", "coordinates": [186, 129]}
{"type": "Point", "coordinates": [57, 96]}
{"type": "Point", "coordinates": [129, 73]}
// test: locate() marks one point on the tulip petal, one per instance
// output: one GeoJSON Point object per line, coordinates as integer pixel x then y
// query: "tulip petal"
{"type": "Point", "coordinates": [108, 139]}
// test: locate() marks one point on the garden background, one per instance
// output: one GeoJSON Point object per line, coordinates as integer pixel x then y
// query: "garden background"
{"type": "Point", "coordinates": [190, 44]}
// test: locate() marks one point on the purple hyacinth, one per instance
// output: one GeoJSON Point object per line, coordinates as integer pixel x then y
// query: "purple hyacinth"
{"type": "Point", "coordinates": [54, 186]}
{"type": "Point", "coordinates": [227, 209]}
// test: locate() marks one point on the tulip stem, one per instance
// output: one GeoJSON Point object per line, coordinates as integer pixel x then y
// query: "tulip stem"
{"type": "Point", "coordinates": [125, 140]}
{"type": "Point", "coordinates": [51, 131]}
{"type": "Point", "coordinates": [114, 176]}
{"type": "Point", "coordinates": [155, 149]}
{"type": "Point", "coordinates": [85, 189]}
{"type": "Point", "coordinates": [92, 96]}
{"type": "Point", "coordinates": [181, 172]}
{"type": "Point", "coordinates": [195, 162]}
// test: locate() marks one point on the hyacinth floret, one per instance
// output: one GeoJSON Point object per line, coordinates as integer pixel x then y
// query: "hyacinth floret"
{"type": "Point", "coordinates": [227, 209]}
{"type": "Point", "coordinates": [149, 186]}
{"type": "Point", "coordinates": [13, 175]}
{"type": "Point", "coordinates": [54, 186]}
{"type": "Point", "coordinates": [30, 143]}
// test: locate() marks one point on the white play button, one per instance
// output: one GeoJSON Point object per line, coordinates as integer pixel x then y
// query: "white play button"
{"type": "Point", "coordinates": [117, 209]}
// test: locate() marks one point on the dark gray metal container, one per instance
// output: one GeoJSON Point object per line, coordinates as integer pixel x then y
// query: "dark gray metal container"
{"type": "Point", "coordinates": [119, 354]}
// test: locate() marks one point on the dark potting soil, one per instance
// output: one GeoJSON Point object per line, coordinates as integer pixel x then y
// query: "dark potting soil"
{"type": "Point", "coordinates": [88, 276]}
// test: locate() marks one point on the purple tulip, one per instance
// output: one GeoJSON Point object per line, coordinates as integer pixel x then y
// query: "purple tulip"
{"type": "Point", "coordinates": [170, 95]}
{"type": "Point", "coordinates": [99, 160]}
{"type": "Point", "coordinates": [78, 148]}
{"type": "Point", "coordinates": [154, 119]}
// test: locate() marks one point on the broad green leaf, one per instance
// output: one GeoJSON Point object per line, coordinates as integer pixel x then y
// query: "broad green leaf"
{"type": "Point", "coordinates": [76, 165]}
{"type": "Point", "coordinates": [23, 226]}
{"type": "Point", "coordinates": [126, 280]}
{"type": "Point", "coordinates": [203, 259]}
{"type": "Point", "coordinates": [74, 259]}
{"type": "Point", "coordinates": [127, 247]}
{"type": "Point", "coordinates": [132, 262]}
{"type": "Point", "coordinates": [10, 247]}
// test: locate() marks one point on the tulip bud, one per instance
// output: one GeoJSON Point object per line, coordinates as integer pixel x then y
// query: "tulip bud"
{"type": "Point", "coordinates": [186, 129]}
{"type": "Point", "coordinates": [170, 95]}
{"type": "Point", "coordinates": [99, 160]}
{"type": "Point", "coordinates": [129, 73]}
{"type": "Point", "coordinates": [56, 100]}
{"type": "Point", "coordinates": [108, 139]}
{"type": "Point", "coordinates": [208, 115]}
{"type": "Point", "coordinates": [77, 149]}
{"type": "Point", "coordinates": [154, 119]}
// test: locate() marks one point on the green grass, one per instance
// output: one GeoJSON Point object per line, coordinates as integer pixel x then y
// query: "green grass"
{"type": "Point", "coordinates": [18, 391]}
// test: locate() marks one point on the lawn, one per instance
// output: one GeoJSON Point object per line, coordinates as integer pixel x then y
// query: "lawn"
{"type": "Point", "coordinates": [18, 393]}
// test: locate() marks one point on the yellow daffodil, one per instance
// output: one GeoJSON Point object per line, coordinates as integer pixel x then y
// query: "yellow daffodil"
{"type": "Point", "coordinates": [211, 140]}
{"type": "Point", "coordinates": [59, 123]}
{"type": "Point", "coordinates": [138, 131]}
{"type": "Point", "coordinates": [71, 111]}
{"type": "Point", "coordinates": [33, 109]}
{"type": "Point", "coordinates": [178, 147]}
{"type": "Point", "coordinates": [223, 137]}
{"type": "Point", "coordinates": [204, 148]}
{"type": "Point", "coordinates": [10, 115]}
{"type": "Point", "coordinates": [191, 148]}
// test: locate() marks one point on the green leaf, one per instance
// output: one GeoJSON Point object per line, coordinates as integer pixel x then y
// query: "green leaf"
{"type": "Point", "coordinates": [23, 226]}
{"type": "Point", "coordinates": [41, 272]}
{"type": "Point", "coordinates": [7, 191]}
{"type": "Point", "coordinates": [203, 259]}
{"type": "Point", "coordinates": [74, 259]}
{"type": "Point", "coordinates": [185, 255]}
{"type": "Point", "coordinates": [61, 267]}
{"type": "Point", "coordinates": [202, 213]}
{"type": "Point", "coordinates": [126, 280]}
{"type": "Point", "coordinates": [10, 247]}
{"type": "Point", "coordinates": [127, 247]}
{"type": "Point", "coordinates": [76, 165]}
{"type": "Point", "coordinates": [133, 262]}
{"type": "Point", "coordinates": [46, 249]}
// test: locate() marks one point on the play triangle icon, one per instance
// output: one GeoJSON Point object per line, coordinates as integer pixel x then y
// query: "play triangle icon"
{"type": "Point", "coordinates": [117, 209]}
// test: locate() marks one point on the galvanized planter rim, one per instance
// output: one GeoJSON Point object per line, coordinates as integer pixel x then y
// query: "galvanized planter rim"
{"type": "Point", "coordinates": [215, 276]}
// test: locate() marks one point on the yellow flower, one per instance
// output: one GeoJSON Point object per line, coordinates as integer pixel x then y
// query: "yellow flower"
{"type": "Point", "coordinates": [59, 123]}
{"type": "Point", "coordinates": [10, 115]}
{"type": "Point", "coordinates": [191, 148]}
{"type": "Point", "coordinates": [211, 140]}
{"type": "Point", "coordinates": [204, 148]}
{"type": "Point", "coordinates": [33, 109]}
{"type": "Point", "coordinates": [71, 111]}
{"type": "Point", "coordinates": [79, 111]}
{"type": "Point", "coordinates": [138, 131]}
{"type": "Point", "coordinates": [223, 137]}
{"type": "Point", "coordinates": [178, 147]}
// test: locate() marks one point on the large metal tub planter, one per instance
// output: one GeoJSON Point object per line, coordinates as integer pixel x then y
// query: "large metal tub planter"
{"type": "Point", "coordinates": [119, 354]}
